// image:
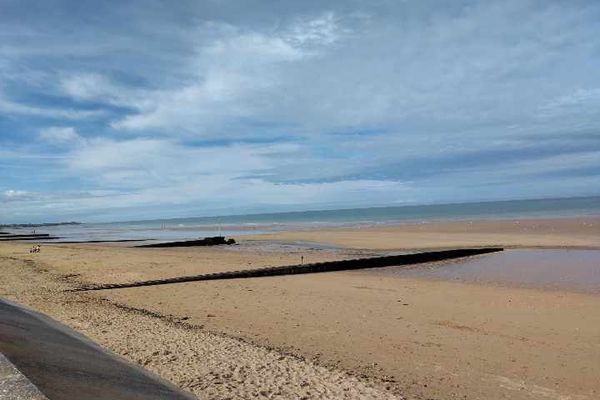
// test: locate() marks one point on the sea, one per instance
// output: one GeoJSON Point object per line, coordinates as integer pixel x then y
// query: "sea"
{"type": "Point", "coordinates": [239, 225]}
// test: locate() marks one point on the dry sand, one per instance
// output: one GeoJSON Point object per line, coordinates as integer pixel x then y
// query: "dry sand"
{"type": "Point", "coordinates": [422, 339]}
{"type": "Point", "coordinates": [208, 364]}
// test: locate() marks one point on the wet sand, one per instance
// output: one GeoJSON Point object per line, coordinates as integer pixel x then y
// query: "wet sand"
{"type": "Point", "coordinates": [549, 269]}
{"type": "Point", "coordinates": [522, 233]}
{"type": "Point", "coordinates": [436, 339]}
{"type": "Point", "coordinates": [419, 337]}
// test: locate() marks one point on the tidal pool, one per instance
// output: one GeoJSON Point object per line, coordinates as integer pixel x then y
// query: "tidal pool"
{"type": "Point", "coordinates": [557, 269]}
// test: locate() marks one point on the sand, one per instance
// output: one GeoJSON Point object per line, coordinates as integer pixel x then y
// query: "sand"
{"type": "Point", "coordinates": [208, 364]}
{"type": "Point", "coordinates": [333, 335]}
{"type": "Point", "coordinates": [436, 339]}
{"type": "Point", "coordinates": [546, 232]}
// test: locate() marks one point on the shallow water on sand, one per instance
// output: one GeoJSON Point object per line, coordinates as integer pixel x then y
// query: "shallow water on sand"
{"type": "Point", "coordinates": [572, 270]}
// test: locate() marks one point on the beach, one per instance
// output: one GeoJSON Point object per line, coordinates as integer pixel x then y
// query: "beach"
{"type": "Point", "coordinates": [347, 334]}
{"type": "Point", "coordinates": [235, 200]}
{"type": "Point", "coordinates": [534, 232]}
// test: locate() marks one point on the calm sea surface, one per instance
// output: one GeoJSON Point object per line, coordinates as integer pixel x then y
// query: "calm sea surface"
{"type": "Point", "coordinates": [186, 228]}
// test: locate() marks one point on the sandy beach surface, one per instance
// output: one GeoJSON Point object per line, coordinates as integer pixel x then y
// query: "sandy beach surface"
{"type": "Point", "coordinates": [334, 335]}
{"type": "Point", "coordinates": [539, 232]}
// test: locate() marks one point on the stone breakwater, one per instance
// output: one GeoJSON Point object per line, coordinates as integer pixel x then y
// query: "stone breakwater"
{"type": "Point", "coordinates": [208, 241]}
{"type": "Point", "coordinates": [343, 265]}
{"type": "Point", "coordinates": [6, 237]}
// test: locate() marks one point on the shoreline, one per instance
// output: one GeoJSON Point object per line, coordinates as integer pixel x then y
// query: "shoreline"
{"type": "Point", "coordinates": [509, 233]}
{"type": "Point", "coordinates": [374, 335]}
{"type": "Point", "coordinates": [273, 229]}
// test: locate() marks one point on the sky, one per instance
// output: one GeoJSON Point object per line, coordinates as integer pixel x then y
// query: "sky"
{"type": "Point", "coordinates": [121, 110]}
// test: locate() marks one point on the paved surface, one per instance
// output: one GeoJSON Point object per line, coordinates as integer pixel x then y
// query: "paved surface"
{"type": "Point", "coordinates": [14, 385]}
{"type": "Point", "coordinates": [65, 365]}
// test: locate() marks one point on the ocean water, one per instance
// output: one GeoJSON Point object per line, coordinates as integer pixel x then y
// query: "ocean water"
{"type": "Point", "coordinates": [237, 225]}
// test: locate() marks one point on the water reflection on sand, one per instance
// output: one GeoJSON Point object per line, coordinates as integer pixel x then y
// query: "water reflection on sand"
{"type": "Point", "coordinates": [576, 270]}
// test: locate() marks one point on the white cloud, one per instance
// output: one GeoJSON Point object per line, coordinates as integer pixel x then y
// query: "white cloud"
{"type": "Point", "coordinates": [100, 89]}
{"type": "Point", "coordinates": [9, 107]}
{"type": "Point", "coordinates": [337, 71]}
{"type": "Point", "coordinates": [578, 101]}
{"type": "Point", "coordinates": [150, 172]}
{"type": "Point", "coordinates": [142, 173]}
{"type": "Point", "coordinates": [87, 86]}
{"type": "Point", "coordinates": [231, 78]}
{"type": "Point", "coordinates": [321, 31]}
{"type": "Point", "coordinates": [60, 134]}
{"type": "Point", "coordinates": [139, 163]}
{"type": "Point", "coordinates": [14, 196]}
{"type": "Point", "coordinates": [368, 96]}
{"type": "Point", "coordinates": [210, 196]}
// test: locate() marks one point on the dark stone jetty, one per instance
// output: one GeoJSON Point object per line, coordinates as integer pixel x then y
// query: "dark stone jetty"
{"type": "Point", "coordinates": [8, 238]}
{"type": "Point", "coordinates": [208, 241]}
{"type": "Point", "coordinates": [37, 235]}
{"type": "Point", "coordinates": [99, 241]}
{"type": "Point", "coordinates": [65, 365]}
{"type": "Point", "coordinates": [343, 265]}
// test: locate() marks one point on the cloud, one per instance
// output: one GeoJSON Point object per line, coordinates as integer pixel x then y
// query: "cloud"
{"type": "Point", "coordinates": [332, 71]}
{"type": "Point", "coordinates": [228, 82]}
{"type": "Point", "coordinates": [60, 134]}
{"type": "Point", "coordinates": [8, 107]}
{"type": "Point", "coordinates": [96, 88]}
{"type": "Point", "coordinates": [324, 30]}
{"type": "Point", "coordinates": [574, 104]}
{"type": "Point", "coordinates": [206, 104]}
{"type": "Point", "coordinates": [147, 173]}
{"type": "Point", "coordinates": [14, 196]}
{"type": "Point", "coordinates": [143, 162]}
